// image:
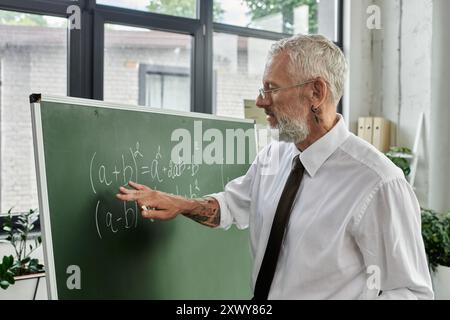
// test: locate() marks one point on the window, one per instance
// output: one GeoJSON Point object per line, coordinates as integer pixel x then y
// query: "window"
{"type": "Point", "coordinates": [181, 8]}
{"type": "Point", "coordinates": [137, 52]}
{"type": "Point", "coordinates": [164, 87]}
{"type": "Point", "coordinates": [238, 65]}
{"type": "Point", "coordinates": [129, 51]}
{"type": "Point", "coordinates": [33, 58]}
{"type": "Point", "coordinates": [244, 31]}
{"type": "Point", "coordinates": [289, 17]}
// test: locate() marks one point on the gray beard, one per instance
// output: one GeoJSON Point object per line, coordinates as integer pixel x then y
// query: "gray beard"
{"type": "Point", "coordinates": [292, 130]}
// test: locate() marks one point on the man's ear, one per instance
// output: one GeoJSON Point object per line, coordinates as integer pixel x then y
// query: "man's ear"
{"type": "Point", "coordinates": [320, 92]}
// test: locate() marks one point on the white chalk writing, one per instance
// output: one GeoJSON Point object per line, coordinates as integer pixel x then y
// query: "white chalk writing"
{"type": "Point", "coordinates": [107, 175]}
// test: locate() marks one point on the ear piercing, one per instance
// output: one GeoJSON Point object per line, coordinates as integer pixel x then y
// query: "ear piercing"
{"type": "Point", "coordinates": [315, 110]}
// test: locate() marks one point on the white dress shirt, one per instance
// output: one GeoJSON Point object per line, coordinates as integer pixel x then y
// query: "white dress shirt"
{"type": "Point", "coordinates": [355, 225]}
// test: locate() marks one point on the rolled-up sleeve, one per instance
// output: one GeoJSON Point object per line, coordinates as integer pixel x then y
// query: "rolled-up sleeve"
{"type": "Point", "coordinates": [235, 201]}
{"type": "Point", "coordinates": [388, 233]}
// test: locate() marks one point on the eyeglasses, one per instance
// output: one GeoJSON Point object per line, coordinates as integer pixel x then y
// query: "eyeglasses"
{"type": "Point", "coordinates": [265, 93]}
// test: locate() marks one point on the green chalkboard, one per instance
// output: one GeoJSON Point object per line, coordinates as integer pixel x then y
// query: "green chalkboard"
{"type": "Point", "coordinates": [84, 151]}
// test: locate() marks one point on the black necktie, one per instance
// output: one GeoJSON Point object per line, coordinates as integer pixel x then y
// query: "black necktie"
{"type": "Point", "coordinates": [280, 221]}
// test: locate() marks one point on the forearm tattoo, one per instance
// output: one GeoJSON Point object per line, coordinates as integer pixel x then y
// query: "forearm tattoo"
{"type": "Point", "coordinates": [206, 212]}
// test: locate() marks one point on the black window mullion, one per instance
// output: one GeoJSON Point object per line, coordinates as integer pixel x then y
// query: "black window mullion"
{"type": "Point", "coordinates": [208, 63]}
{"type": "Point", "coordinates": [340, 39]}
{"type": "Point", "coordinates": [81, 54]}
{"type": "Point", "coordinates": [340, 24]}
{"type": "Point", "coordinates": [74, 63]}
{"type": "Point", "coordinates": [202, 60]}
{"type": "Point", "coordinates": [98, 56]}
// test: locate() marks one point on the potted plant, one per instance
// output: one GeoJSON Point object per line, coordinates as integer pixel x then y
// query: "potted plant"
{"type": "Point", "coordinates": [20, 274]}
{"type": "Point", "coordinates": [401, 158]}
{"type": "Point", "coordinates": [436, 237]}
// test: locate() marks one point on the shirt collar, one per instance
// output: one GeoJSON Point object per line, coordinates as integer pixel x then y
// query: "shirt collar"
{"type": "Point", "coordinates": [316, 155]}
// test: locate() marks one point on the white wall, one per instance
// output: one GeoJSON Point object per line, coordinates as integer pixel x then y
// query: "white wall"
{"type": "Point", "coordinates": [440, 111]}
{"type": "Point", "coordinates": [357, 47]}
{"type": "Point", "coordinates": [390, 71]}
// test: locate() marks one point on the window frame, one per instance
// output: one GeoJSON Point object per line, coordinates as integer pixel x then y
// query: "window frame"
{"type": "Point", "coordinates": [145, 69]}
{"type": "Point", "coordinates": [86, 46]}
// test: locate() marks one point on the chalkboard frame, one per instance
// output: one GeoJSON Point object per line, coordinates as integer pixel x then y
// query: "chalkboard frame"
{"type": "Point", "coordinates": [41, 173]}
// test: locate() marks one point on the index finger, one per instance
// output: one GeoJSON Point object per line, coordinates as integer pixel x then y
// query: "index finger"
{"type": "Point", "coordinates": [136, 186]}
{"type": "Point", "coordinates": [124, 190]}
{"type": "Point", "coordinates": [127, 197]}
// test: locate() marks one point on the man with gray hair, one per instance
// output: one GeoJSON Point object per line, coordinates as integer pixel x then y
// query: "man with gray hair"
{"type": "Point", "coordinates": [330, 217]}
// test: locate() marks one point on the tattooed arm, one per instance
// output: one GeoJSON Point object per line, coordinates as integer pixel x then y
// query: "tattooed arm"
{"type": "Point", "coordinates": [205, 211]}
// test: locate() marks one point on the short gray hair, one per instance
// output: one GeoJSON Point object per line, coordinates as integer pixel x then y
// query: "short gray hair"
{"type": "Point", "coordinates": [313, 56]}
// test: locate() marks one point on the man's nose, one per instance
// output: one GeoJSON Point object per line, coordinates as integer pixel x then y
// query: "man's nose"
{"type": "Point", "coordinates": [261, 102]}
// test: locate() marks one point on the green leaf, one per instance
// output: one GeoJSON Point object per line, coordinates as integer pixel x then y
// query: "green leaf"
{"type": "Point", "coordinates": [25, 261]}
{"type": "Point", "coordinates": [22, 220]}
{"type": "Point", "coordinates": [4, 284]}
{"type": "Point", "coordinates": [400, 150]}
{"type": "Point", "coordinates": [11, 260]}
{"type": "Point", "coordinates": [9, 277]}
{"type": "Point", "coordinates": [8, 262]}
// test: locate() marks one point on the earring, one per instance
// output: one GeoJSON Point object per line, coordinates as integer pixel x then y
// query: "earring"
{"type": "Point", "coordinates": [315, 111]}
